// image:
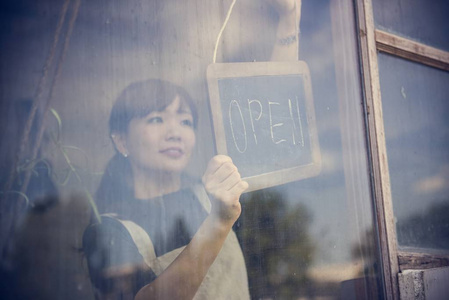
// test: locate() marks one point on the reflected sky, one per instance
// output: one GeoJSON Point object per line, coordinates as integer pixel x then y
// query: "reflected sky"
{"type": "Point", "coordinates": [415, 105]}
{"type": "Point", "coordinates": [418, 20]}
{"type": "Point", "coordinates": [119, 42]}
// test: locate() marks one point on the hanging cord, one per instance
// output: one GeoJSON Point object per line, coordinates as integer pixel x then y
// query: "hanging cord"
{"type": "Point", "coordinates": [297, 28]}
{"type": "Point", "coordinates": [222, 29]}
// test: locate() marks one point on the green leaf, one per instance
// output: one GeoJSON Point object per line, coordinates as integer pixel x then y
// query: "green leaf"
{"type": "Point", "coordinates": [79, 150]}
{"type": "Point", "coordinates": [19, 193]}
{"type": "Point", "coordinates": [93, 205]}
{"type": "Point", "coordinates": [67, 177]}
{"type": "Point", "coordinates": [58, 119]}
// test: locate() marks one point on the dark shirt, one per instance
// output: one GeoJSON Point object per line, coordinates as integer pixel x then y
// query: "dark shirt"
{"type": "Point", "coordinates": [171, 221]}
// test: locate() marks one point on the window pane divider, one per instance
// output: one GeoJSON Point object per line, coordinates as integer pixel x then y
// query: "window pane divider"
{"type": "Point", "coordinates": [411, 50]}
{"type": "Point", "coordinates": [420, 261]}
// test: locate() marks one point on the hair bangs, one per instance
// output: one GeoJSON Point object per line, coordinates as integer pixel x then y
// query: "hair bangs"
{"type": "Point", "coordinates": [141, 98]}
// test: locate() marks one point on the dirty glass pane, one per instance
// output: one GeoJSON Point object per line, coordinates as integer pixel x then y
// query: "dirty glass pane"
{"type": "Point", "coordinates": [415, 108]}
{"type": "Point", "coordinates": [106, 108]}
{"type": "Point", "coordinates": [414, 19]}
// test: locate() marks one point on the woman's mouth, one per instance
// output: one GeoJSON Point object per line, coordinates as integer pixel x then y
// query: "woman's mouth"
{"type": "Point", "coordinates": [173, 152]}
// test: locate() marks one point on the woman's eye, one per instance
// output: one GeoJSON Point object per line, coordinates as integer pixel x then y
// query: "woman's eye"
{"type": "Point", "coordinates": [187, 122]}
{"type": "Point", "coordinates": [154, 120]}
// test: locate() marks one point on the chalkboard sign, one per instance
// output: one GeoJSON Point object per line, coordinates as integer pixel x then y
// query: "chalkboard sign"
{"type": "Point", "coordinates": [263, 117]}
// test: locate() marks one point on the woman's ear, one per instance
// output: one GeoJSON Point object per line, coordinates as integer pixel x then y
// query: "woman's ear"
{"type": "Point", "coordinates": [120, 143]}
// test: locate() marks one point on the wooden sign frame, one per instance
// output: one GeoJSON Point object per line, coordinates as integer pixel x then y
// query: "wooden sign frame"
{"type": "Point", "coordinates": [216, 72]}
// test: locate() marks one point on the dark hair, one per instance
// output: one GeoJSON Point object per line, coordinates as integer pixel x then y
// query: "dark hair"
{"type": "Point", "coordinates": [136, 101]}
{"type": "Point", "coordinates": [141, 98]}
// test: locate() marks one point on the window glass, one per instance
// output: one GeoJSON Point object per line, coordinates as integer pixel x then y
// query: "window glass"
{"type": "Point", "coordinates": [92, 139]}
{"type": "Point", "coordinates": [414, 19]}
{"type": "Point", "coordinates": [415, 108]}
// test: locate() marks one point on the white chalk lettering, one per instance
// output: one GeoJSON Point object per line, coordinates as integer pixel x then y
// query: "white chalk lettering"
{"type": "Point", "coordinates": [294, 129]}
{"type": "Point", "coordinates": [293, 121]}
{"type": "Point", "coordinates": [300, 123]}
{"type": "Point", "coordinates": [251, 116]}
{"type": "Point", "coordinates": [235, 103]}
{"type": "Point", "coordinates": [272, 126]}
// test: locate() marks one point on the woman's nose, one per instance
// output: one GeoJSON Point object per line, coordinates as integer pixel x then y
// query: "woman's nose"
{"type": "Point", "coordinates": [173, 131]}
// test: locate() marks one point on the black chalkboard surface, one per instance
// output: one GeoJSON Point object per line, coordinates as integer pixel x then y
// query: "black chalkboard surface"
{"type": "Point", "coordinates": [263, 117]}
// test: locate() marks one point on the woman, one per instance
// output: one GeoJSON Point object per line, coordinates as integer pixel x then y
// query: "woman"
{"type": "Point", "coordinates": [189, 248]}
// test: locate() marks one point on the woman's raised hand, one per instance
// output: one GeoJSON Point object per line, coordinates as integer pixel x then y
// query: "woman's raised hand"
{"type": "Point", "coordinates": [224, 185]}
{"type": "Point", "coordinates": [285, 7]}
{"type": "Point", "coordinates": [286, 48]}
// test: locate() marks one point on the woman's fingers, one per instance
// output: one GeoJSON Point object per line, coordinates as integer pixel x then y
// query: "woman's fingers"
{"type": "Point", "coordinates": [224, 184]}
{"type": "Point", "coordinates": [226, 171]}
{"type": "Point", "coordinates": [240, 187]}
{"type": "Point", "coordinates": [214, 165]}
{"type": "Point", "coordinates": [219, 169]}
{"type": "Point", "coordinates": [234, 184]}
{"type": "Point", "coordinates": [225, 177]}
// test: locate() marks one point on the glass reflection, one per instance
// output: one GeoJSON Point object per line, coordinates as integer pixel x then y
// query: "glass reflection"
{"type": "Point", "coordinates": [414, 19]}
{"type": "Point", "coordinates": [170, 229]}
{"type": "Point", "coordinates": [277, 245]}
{"type": "Point", "coordinates": [414, 99]}
{"type": "Point", "coordinates": [300, 240]}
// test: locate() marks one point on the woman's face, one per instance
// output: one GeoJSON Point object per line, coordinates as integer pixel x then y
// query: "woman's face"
{"type": "Point", "coordinates": [161, 141]}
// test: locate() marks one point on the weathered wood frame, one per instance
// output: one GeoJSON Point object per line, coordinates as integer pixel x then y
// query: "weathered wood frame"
{"type": "Point", "coordinates": [378, 154]}
{"type": "Point", "coordinates": [411, 50]}
{"type": "Point", "coordinates": [414, 260]}
{"type": "Point", "coordinates": [371, 41]}
{"type": "Point", "coordinates": [218, 71]}
{"type": "Point", "coordinates": [433, 57]}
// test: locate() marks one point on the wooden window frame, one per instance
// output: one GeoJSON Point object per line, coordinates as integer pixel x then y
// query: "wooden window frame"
{"type": "Point", "coordinates": [371, 42]}
{"type": "Point", "coordinates": [411, 50]}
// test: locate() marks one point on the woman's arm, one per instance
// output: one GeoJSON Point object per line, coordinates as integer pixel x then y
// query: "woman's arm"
{"type": "Point", "coordinates": [183, 277]}
{"type": "Point", "coordinates": [286, 47]}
